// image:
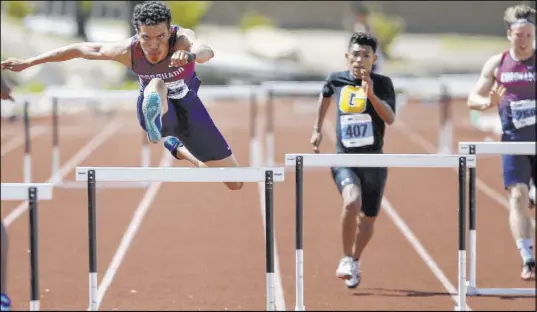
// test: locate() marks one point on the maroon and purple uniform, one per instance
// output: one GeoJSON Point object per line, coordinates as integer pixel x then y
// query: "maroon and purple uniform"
{"type": "Point", "coordinates": [517, 115]}
{"type": "Point", "coordinates": [186, 118]}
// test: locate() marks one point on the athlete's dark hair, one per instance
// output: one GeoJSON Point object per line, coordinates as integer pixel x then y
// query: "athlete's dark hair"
{"type": "Point", "coordinates": [363, 38]}
{"type": "Point", "coordinates": [151, 13]}
{"type": "Point", "coordinates": [518, 12]}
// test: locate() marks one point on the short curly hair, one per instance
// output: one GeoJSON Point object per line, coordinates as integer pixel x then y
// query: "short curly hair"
{"type": "Point", "coordinates": [363, 38]}
{"type": "Point", "coordinates": [151, 13]}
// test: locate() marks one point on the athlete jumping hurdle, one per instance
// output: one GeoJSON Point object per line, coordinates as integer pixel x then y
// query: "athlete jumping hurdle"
{"type": "Point", "coordinates": [365, 103]}
{"type": "Point", "coordinates": [169, 109]}
{"type": "Point", "coordinates": [507, 81]}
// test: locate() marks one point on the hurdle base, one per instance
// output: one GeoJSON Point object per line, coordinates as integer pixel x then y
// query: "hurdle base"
{"type": "Point", "coordinates": [300, 308]}
{"type": "Point", "coordinates": [476, 291]}
{"type": "Point", "coordinates": [107, 185]}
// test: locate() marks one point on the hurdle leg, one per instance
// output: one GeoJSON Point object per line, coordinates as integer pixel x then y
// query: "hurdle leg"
{"type": "Point", "coordinates": [34, 267]}
{"type": "Point", "coordinates": [55, 145]}
{"type": "Point", "coordinates": [270, 128]}
{"type": "Point", "coordinates": [269, 239]}
{"type": "Point", "coordinates": [462, 237]}
{"type": "Point", "coordinates": [299, 305]}
{"type": "Point", "coordinates": [254, 140]}
{"type": "Point", "coordinates": [472, 239]}
{"type": "Point", "coordinates": [27, 157]}
{"type": "Point", "coordinates": [92, 241]}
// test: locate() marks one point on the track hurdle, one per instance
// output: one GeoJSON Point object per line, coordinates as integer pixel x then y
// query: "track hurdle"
{"type": "Point", "coordinates": [269, 175]}
{"type": "Point", "coordinates": [299, 161]}
{"type": "Point", "coordinates": [488, 148]}
{"type": "Point", "coordinates": [33, 192]}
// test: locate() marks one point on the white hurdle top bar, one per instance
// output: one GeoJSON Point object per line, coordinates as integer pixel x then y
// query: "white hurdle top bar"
{"type": "Point", "coordinates": [19, 191]}
{"type": "Point", "coordinates": [171, 174]}
{"type": "Point", "coordinates": [499, 148]}
{"type": "Point", "coordinates": [380, 160]}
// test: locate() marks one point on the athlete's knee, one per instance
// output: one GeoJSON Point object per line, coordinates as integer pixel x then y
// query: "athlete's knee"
{"type": "Point", "coordinates": [235, 186]}
{"type": "Point", "coordinates": [156, 84]}
{"type": "Point", "coordinates": [519, 195]}
{"type": "Point", "coordinates": [352, 201]}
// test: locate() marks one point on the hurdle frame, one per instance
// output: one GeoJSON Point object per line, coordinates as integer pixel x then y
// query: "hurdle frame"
{"type": "Point", "coordinates": [488, 148]}
{"type": "Point", "coordinates": [462, 162]}
{"type": "Point", "coordinates": [33, 193]}
{"type": "Point", "coordinates": [268, 175]}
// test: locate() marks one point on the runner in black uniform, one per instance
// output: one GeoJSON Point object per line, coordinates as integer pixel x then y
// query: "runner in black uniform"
{"type": "Point", "coordinates": [365, 103]}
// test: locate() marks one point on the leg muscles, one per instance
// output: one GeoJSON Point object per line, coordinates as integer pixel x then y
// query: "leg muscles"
{"type": "Point", "coordinates": [229, 161]}
{"type": "Point", "coordinates": [352, 204]}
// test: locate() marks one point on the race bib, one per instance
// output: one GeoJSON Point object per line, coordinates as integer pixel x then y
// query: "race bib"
{"type": "Point", "coordinates": [356, 130]}
{"type": "Point", "coordinates": [177, 89]}
{"type": "Point", "coordinates": [523, 113]}
{"type": "Point", "coordinates": [352, 100]}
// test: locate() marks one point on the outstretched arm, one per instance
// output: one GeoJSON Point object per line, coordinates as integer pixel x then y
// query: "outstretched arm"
{"type": "Point", "coordinates": [113, 51]}
{"type": "Point", "coordinates": [479, 98]}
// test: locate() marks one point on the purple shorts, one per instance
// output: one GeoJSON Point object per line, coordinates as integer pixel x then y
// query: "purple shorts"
{"type": "Point", "coordinates": [188, 120]}
{"type": "Point", "coordinates": [518, 169]}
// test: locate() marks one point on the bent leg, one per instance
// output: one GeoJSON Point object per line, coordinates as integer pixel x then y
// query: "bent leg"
{"type": "Point", "coordinates": [349, 187]}
{"type": "Point", "coordinates": [516, 173]}
{"type": "Point", "coordinates": [229, 161]}
{"type": "Point", "coordinates": [373, 191]}
{"type": "Point", "coordinates": [154, 104]}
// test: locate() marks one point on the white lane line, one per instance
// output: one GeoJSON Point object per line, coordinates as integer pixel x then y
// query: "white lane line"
{"type": "Point", "coordinates": [18, 140]}
{"type": "Point", "coordinates": [131, 231]}
{"type": "Point", "coordinates": [82, 154]}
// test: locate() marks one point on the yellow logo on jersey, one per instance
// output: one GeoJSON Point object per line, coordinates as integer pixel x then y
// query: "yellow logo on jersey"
{"type": "Point", "coordinates": [352, 100]}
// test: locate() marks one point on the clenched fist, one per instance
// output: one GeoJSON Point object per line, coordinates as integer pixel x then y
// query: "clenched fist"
{"type": "Point", "coordinates": [181, 58]}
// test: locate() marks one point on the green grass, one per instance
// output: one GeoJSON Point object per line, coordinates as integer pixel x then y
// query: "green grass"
{"type": "Point", "coordinates": [453, 42]}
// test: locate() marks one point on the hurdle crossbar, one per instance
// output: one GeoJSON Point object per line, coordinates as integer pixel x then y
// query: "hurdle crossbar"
{"type": "Point", "coordinates": [488, 148]}
{"type": "Point", "coordinates": [269, 175]}
{"type": "Point", "coordinates": [32, 192]}
{"type": "Point", "coordinates": [379, 160]}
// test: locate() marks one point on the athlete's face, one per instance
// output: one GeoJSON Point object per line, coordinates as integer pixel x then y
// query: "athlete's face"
{"type": "Point", "coordinates": [521, 37]}
{"type": "Point", "coordinates": [154, 41]}
{"type": "Point", "coordinates": [360, 57]}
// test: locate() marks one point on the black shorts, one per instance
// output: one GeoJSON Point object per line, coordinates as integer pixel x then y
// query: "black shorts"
{"type": "Point", "coordinates": [371, 182]}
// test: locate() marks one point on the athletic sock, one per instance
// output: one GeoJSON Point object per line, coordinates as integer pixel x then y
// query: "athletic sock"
{"type": "Point", "coordinates": [525, 247]}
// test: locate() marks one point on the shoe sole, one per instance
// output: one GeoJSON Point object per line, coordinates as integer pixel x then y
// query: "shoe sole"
{"type": "Point", "coordinates": [531, 274]}
{"type": "Point", "coordinates": [152, 110]}
{"type": "Point", "coordinates": [343, 276]}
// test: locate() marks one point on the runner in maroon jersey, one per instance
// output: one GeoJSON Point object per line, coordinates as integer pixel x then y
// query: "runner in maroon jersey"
{"type": "Point", "coordinates": [169, 109]}
{"type": "Point", "coordinates": [508, 82]}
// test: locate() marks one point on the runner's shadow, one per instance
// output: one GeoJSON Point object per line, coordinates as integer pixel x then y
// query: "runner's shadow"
{"type": "Point", "coordinates": [390, 292]}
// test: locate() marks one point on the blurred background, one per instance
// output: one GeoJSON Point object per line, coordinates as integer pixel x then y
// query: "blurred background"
{"type": "Point", "coordinates": [261, 40]}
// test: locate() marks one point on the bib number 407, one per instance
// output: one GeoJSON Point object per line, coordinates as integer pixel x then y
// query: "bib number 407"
{"type": "Point", "coordinates": [356, 131]}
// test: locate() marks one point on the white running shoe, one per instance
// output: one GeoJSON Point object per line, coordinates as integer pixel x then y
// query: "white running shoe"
{"type": "Point", "coordinates": [354, 281]}
{"type": "Point", "coordinates": [345, 268]}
